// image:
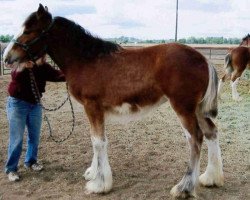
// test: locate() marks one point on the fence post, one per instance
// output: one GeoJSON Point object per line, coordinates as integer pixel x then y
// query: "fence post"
{"type": "Point", "coordinates": [1, 73]}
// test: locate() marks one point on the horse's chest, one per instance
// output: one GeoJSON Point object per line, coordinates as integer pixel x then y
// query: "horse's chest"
{"type": "Point", "coordinates": [128, 112]}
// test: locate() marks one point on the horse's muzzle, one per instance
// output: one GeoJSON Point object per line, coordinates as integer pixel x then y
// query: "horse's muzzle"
{"type": "Point", "coordinates": [9, 61]}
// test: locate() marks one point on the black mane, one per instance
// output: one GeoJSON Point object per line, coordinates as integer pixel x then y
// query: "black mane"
{"type": "Point", "coordinates": [247, 36]}
{"type": "Point", "coordinates": [88, 46]}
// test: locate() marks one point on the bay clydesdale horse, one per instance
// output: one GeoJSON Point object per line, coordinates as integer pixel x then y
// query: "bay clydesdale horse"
{"type": "Point", "coordinates": [113, 82]}
{"type": "Point", "coordinates": [235, 63]}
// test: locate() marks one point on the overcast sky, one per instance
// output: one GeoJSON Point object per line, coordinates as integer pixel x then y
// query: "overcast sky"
{"type": "Point", "coordinates": [144, 19]}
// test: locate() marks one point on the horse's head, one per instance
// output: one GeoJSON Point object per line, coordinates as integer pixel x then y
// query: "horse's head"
{"type": "Point", "coordinates": [245, 41]}
{"type": "Point", "coordinates": [30, 43]}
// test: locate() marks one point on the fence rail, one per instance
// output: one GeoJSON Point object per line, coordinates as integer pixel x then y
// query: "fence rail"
{"type": "Point", "coordinates": [3, 69]}
{"type": "Point", "coordinates": [215, 54]}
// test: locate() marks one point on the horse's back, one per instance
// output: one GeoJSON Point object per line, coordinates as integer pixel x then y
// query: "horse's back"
{"type": "Point", "coordinates": [240, 57]}
{"type": "Point", "coordinates": [183, 71]}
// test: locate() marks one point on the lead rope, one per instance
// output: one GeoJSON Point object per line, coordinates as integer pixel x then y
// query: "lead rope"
{"type": "Point", "coordinates": [37, 96]}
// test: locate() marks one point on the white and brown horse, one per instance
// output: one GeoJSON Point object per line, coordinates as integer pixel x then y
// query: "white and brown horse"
{"type": "Point", "coordinates": [112, 82]}
{"type": "Point", "coordinates": [235, 63]}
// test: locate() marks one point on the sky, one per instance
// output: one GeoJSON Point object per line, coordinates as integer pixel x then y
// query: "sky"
{"type": "Point", "coordinates": [143, 19]}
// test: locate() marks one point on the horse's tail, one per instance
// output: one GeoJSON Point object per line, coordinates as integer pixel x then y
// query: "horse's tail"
{"type": "Point", "coordinates": [227, 64]}
{"type": "Point", "coordinates": [209, 102]}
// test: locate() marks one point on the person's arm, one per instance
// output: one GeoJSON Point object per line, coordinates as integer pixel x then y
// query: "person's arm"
{"type": "Point", "coordinates": [52, 74]}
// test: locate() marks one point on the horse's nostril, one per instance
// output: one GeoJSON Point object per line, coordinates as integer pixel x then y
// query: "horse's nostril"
{"type": "Point", "coordinates": [6, 59]}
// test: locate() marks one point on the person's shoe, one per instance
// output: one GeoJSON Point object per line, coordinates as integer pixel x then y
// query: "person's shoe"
{"type": "Point", "coordinates": [35, 167]}
{"type": "Point", "coordinates": [13, 176]}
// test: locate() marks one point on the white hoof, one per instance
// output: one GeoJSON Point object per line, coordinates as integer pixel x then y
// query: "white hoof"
{"type": "Point", "coordinates": [90, 174]}
{"type": "Point", "coordinates": [177, 193]}
{"type": "Point", "coordinates": [101, 184]}
{"type": "Point", "coordinates": [211, 180]}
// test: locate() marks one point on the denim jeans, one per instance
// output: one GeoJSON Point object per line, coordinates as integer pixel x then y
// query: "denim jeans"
{"type": "Point", "coordinates": [22, 114]}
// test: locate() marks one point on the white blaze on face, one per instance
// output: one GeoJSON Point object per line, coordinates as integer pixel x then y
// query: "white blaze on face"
{"type": "Point", "coordinates": [8, 50]}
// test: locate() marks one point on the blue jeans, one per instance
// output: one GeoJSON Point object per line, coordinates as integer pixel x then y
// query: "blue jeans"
{"type": "Point", "coordinates": [20, 114]}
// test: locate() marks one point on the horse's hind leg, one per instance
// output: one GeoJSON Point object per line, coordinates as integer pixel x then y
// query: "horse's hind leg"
{"type": "Point", "coordinates": [186, 187]}
{"type": "Point", "coordinates": [221, 83]}
{"type": "Point", "coordinates": [234, 82]}
{"type": "Point", "coordinates": [213, 175]}
{"type": "Point", "coordinates": [99, 174]}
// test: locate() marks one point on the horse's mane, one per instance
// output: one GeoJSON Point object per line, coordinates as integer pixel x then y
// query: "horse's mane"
{"type": "Point", "coordinates": [247, 36]}
{"type": "Point", "coordinates": [86, 45]}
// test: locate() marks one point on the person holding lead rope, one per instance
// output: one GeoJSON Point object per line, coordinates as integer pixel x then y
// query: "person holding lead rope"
{"type": "Point", "coordinates": [23, 110]}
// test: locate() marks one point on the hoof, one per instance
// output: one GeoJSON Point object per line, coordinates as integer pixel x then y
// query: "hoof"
{"type": "Point", "coordinates": [209, 181]}
{"type": "Point", "coordinates": [177, 193]}
{"type": "Point", "coordinates": [99, 185]}
{"type": "Point", "coordinates": [98, 181]}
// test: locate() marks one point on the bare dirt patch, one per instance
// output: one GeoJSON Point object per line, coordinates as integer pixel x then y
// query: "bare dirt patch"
{"type": "Point", "coordinates": [147, 157]}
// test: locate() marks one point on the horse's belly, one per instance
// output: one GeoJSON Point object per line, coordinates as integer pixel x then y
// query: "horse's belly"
{"type": "Point", "coordinates": [124, 114]}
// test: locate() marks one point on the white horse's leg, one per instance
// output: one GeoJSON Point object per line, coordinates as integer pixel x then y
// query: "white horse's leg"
{"type": "Point", "coordinates": [235, 94]}
{"type": "Point", "coordinates": [221, 83]}
{"type": "Point", "coordinates": [99, 174]}
{"type": "Point", "coordinates": [214, 172]}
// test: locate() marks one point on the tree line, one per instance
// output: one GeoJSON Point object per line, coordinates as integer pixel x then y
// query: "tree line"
{"type": "Point", "coordinates": [6, 38]}
{"type": "Point", "coordinates": [189, 40]}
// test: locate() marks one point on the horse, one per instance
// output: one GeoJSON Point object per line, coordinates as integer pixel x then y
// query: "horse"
{"type": "Point", "coordinates": [235, 63]}
{"type": "Point", "coordinates": [112, 82]}
{"type": "Point", "coordinates": [245, 41]}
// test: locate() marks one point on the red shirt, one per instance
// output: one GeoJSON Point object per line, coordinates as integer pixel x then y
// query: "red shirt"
{"type": "Point", "coordinates": [20, 85]}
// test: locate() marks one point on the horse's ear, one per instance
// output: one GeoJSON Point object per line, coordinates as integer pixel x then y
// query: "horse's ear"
{"type": "Point", "coordinates": [41, 10]}
{"type": "Point", "coordinates": [46, 9]}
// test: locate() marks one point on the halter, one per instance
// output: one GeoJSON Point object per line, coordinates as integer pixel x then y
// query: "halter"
{"type": "Point", "coordinates": [27, 46]}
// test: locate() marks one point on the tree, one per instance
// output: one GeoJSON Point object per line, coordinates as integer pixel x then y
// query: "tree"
{"type": "Point", "coordinates": [6, 38]}
{"type": "Point", "coordinates": [182, 41]}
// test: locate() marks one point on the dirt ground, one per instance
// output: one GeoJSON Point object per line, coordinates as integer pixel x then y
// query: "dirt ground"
{"type": "Point", "coordinates": [147, 157]}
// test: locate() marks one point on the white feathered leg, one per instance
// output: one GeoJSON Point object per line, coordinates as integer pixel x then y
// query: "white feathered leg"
{"type": "Point", "coordinates": [99, 174]}
{"type": "Point", "coordinates": [235, 93]}
{"type": "Point", "coordinates": [214, 172]}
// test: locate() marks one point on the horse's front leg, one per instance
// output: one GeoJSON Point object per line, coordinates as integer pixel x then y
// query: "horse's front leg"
{"type": "Point", "coordinates": [99, 174]}
{"type": "Point", "coordinates": [235, 94]}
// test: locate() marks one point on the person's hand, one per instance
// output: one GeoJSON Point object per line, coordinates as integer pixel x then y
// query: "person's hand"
{"type": "Point", "coordinates": [41, 60]}
{"type": "Point", "coordinates": [28, 65]}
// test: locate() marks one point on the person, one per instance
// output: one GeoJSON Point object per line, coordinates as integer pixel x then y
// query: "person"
{"type": "Point", "coordinates": [23, 110]}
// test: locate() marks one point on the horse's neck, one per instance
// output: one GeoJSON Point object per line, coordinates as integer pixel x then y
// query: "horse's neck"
{"type": "Point", "coordinates": [60, 53]}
